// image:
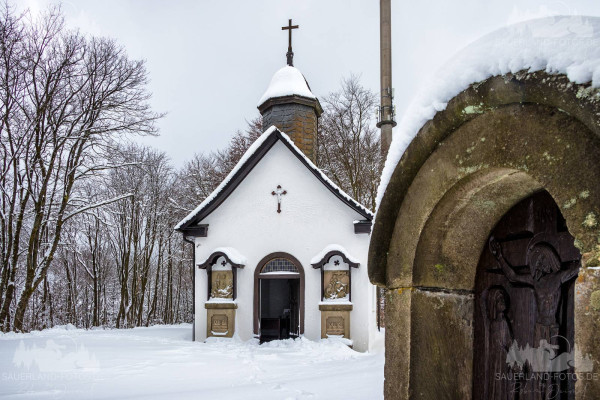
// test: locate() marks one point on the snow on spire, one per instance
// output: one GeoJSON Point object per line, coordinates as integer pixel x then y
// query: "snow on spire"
{"type": "Point", "coordinates": [288, 81]}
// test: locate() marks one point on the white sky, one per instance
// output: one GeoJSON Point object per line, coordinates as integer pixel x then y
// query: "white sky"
{"type": "Point", "coordinates": [210, 61]}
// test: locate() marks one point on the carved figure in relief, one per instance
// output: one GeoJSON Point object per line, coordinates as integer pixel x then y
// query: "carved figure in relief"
{"type": "Point", "coordinates": [338, 285]}
{"type": "Point", "coordinates": [546, 278]}
{"type": "Point", "coordinates": [222, 286]}
{"type": "Point", "coordinates": [500, 338]}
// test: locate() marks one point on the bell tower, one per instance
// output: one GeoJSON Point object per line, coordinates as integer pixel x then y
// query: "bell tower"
{"type": "Point", "coordinates": [289, 104]}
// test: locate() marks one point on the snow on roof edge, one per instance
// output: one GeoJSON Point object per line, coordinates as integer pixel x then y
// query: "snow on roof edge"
{"type": "Point", "coordinates": [325, 177]}
{"type": "Point", "coordinates": [567, 45]}
{"type": "Point", "coordinates": [235, 256]}
{"type": "Point", "coordinates": [251, 150]}
{"type": "Point", "coordinates": [333, 247]}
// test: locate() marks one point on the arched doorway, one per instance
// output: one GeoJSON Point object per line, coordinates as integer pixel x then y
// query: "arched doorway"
{"type": "Point", "coordinates": [524, 305]}
{"type": "Point", "coordinates": [278, 297]}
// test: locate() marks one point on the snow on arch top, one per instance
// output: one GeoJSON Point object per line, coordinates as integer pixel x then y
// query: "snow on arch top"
{"type": "Point", "coordinates": [288, 81]}
{"type": "Point", "coordinates": [568, 45]}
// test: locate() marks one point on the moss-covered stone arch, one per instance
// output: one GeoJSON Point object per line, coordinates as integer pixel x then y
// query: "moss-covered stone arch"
{"type": "Point", "coordinates": [496, 143]}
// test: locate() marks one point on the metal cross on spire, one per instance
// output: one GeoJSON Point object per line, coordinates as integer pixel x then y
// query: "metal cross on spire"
{"type": "Point", "coordinates": [278, 192]}
{"type": "Point", "coordinates": [290, 53]}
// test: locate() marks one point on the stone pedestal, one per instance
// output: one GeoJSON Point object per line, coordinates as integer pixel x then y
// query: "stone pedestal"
{"type": "Point", "coordinates": [220, 319]}
{"type": "Point", "coordinates": [335, 320]}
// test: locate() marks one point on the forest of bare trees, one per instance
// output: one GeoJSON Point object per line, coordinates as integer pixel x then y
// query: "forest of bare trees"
{"type": "Point", "coordinates": [86, 214]}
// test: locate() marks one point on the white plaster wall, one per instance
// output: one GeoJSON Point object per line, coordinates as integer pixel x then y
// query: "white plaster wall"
{"type": "Point", "coordinates": [311, 218]}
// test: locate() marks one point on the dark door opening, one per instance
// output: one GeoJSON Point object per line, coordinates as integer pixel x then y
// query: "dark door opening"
{"type": "Point", "coordinates": [279, 309]}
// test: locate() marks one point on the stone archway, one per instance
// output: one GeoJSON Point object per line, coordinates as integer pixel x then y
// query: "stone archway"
{"type": "Point", "coordinates": [497, 143]}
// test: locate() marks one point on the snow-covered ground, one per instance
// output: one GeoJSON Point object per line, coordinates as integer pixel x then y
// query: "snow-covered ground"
{"type": "Point", "coordinates": [162, 362]}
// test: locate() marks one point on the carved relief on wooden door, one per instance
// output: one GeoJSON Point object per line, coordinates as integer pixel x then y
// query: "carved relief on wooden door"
{"type": "Point", "coordinates": [523, 329]}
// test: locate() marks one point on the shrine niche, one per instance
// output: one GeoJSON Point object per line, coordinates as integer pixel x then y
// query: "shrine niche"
{"type": "Point", "coordinates": [524, 298]}
{"type": "Point", "coordinates": [221, 306]}
{"type": "Point", "coordinates": [487, 236]}
{"type": "Point", "coordinates": [221, 271]}
{"type": "Point", "coordinates": [336, 278]}
{"type": "Point", "coordinates": [336, 291]}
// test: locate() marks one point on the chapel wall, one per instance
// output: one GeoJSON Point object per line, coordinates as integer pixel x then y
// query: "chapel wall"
{"type": "Point", "coordinates": [311, 219]}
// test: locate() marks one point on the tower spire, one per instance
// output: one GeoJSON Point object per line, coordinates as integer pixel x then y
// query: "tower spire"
{"type": "Point", "coordinates": [290, 54]}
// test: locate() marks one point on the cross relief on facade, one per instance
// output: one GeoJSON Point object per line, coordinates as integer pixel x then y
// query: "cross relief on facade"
{"type": "Point", "coordinates": [279, 192]}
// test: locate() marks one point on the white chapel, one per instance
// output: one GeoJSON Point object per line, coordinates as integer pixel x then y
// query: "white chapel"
{"type": "Point", "coordinates": [280, 250]}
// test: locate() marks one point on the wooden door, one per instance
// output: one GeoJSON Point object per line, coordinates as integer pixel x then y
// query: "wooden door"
{"type": "Point", "coordinates": [524, 306]}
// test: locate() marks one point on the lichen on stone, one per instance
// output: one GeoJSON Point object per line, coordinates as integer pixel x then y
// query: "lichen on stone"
{"type": "Point", "coordinates": [570, 203]}
{"type": "Point", "coordinates": [584, 92]}
{"type": "Point", "coordinates": [473, 109]}
{"type": "Point", "coordinates": [595, 300]}
{"type": "Point", "coordinates": [464, 171]}
{"type": "Point", "coordinates": [590, 220]}
{"type": "Point", "coordinates": [548, 157]}
{"type": "Point", "coordinates": [585, 194]}
{"type": "Point", "coordinates": [486, 205]}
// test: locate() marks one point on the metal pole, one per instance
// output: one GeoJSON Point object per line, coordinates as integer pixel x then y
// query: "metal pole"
{"type": "Point", "coordinates": [386, 110]}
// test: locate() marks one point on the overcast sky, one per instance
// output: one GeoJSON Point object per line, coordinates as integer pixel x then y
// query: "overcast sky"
{"type": "Point", "coordinates": [210, 61]}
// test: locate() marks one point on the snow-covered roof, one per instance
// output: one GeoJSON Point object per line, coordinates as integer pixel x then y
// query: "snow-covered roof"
{"type": "Point", "coordinates": [333, 248]}
{"type": "Point", "coordinates": [288, 81]}
{"type": "Point", "coordinates": [250, 158]}
{"type": "Point", "coordinates": [234, 256]}
{"type": "Point", "coordinates": [568, 45]}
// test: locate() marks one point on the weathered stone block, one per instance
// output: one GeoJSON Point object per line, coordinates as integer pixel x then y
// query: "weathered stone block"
{"type": "Point", "coordinates": [335, 323]}
{"type": "Point", "coordinates": [397, 343]}
{"type": "Point", "coordinates": [220, 319]}
{"type": "Point", "coordinates": [587, 326]}
{"type": "Point", "coordinates": [441, 335]}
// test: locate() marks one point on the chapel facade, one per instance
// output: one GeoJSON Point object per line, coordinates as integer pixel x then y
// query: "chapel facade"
{"type": "Point", "coordinates": [279, 250]}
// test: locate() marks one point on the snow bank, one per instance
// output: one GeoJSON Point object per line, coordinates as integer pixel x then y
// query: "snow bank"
{"type": "Point", "coordinates": [333, 247]}
{"type": "Point", "coordinates": [287, 81]}
{"type": "Point", "coordinates": [567, 45]}
{"type": "Point", "coordinates": [162, 362]}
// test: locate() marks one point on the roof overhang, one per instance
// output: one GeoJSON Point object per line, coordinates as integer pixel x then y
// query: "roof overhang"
{"type": "Point", "coordinates": [239, 173]}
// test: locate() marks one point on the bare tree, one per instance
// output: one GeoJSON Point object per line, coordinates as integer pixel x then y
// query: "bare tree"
{"type": "Point", "coordinates": [348, 143]}
{"type": "Point", "coordinates": [65, 99]}
{"type": "Point", "coordinates": [204, 172]}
